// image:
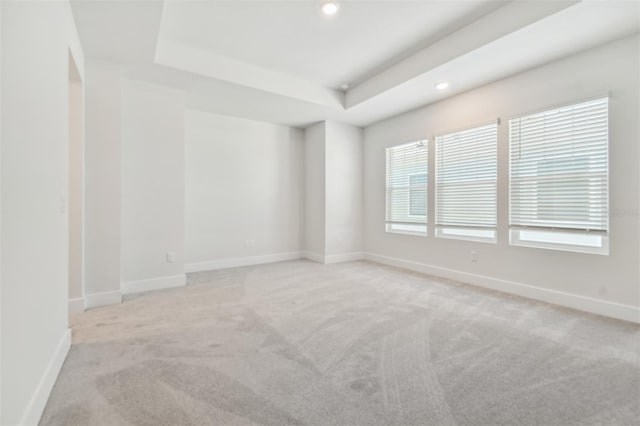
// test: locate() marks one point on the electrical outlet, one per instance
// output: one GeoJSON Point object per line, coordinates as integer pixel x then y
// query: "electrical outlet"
{"type": "Point", "coordinates": [171, 256]}
{"type": "Point", "coordinates": [474, 256]}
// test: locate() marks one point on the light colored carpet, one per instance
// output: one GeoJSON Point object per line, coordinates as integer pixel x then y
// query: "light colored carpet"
{"type": "Point", "coordinates": [347, 344]}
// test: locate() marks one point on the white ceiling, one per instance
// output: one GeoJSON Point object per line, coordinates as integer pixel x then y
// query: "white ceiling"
{"type": "Point", "coordinates": [297, 39]}
{"type": "Point", "coordinates": [283, 61]}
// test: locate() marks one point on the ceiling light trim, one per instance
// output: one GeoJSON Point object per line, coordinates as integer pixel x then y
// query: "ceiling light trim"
{"type": "Point", "coordinates": [330, 9]}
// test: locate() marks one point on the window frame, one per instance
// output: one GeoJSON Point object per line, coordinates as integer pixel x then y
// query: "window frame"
{"type": "Point", "coordinates": [516, 232]}
{"type": "Point", "coordinates": [422, 229]}
{"type": "Point", "coordinates": [455, 232]}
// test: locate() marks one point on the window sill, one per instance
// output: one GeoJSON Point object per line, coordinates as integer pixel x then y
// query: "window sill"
{"type": "Point", "coordinates": [406, 229]}
{"type": "Point", "coordinates": [478, 235]}
{"type": "Point", "coordinates": [550, 239]}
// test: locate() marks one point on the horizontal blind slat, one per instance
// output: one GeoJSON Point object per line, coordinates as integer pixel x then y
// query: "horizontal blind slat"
{"type": "Point", "coordinates": [466, 178]}
{"type": "Point", "coordinates": [406, 184]}
{"type": "Point", "coordinates": [559, 167]}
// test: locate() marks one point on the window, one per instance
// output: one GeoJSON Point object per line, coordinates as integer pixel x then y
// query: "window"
{"type": "Point", "coordinates": [559, 178]}
{"type": "Point", "coordinates": [466, 184]}
{"type": "Point", "coordinates": [418, 195]}
{"type": "Point", "coordinates": [406, 202]}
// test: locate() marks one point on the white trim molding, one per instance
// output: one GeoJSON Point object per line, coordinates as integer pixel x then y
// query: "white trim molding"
{"type": "Point", "coordinates": [574, 301]}
{"type": "Point", "coordinates": [333, 258]}
{"type": "Point", "coordinates": [40, 397]}
{"type": "Point", "coordinates": [343, 257]}
{"type": "Point", "coordinates": [76, 305]}
{"type": "Point", "coordinates": [94, 300]}
{"type": "Point", "coordinates": [150, 284]}
{"type": "Point", "coordinates": [314, 257]}
{"type": "Point", "coordinates": [241, 261]}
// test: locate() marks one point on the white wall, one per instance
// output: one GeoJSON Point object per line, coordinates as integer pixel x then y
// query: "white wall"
{"type": "Point", "coordinates": [76, 185]}
{"type": "Point", "coordinates": [333, 192]}
{"type": "Point", "coordinates": [314, 190]}
{"type": "Point", "coordinates": [1, 102]}
{"type": "Point", "coordinates": [614, 278]}
{"type": "Point", "coordinates": [344, 188]}
{"type": "Point", "coordinates": [244, 182]}
{"type": "Point", "coordinates": [153, 173]}
{"type": "Point", "coordinates": [36, 37]}
{"type": "Point", "coordinates": [102, 183]}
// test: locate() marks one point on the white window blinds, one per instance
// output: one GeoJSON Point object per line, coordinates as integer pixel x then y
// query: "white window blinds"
{"type": "Point", "coordinates": [559, 168]}
{"type": "Point", "coordinates": [406, 202]}
{"type": "Point", "coordinates": [466, 183]}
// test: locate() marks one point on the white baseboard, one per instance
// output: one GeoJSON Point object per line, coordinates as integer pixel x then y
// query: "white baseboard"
{"type": "Point", "coordinates": [94, 300]}
{"type": "Point", "coordinates": [333, 258]}
{"type": "Point", "coordinates": [241, 261]}
{"type": "Point", "coordinates": [41, 394]}
{"type": "Point", "coordinates": [314, 257]}
{"type": "Point", "coordinates": [76, 305]}
{"type": "Point", "coordinates": [574, 301]}
{"type": "Point", "coordinates": [160, 283]}
{"type": "Point", "coordinates": [343, 257]}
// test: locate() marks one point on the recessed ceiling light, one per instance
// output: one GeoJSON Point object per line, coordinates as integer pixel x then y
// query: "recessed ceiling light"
{"type": "Point", "coordinates": [443, 85]}
{"type": "Point", "coordinates": [330, 8]}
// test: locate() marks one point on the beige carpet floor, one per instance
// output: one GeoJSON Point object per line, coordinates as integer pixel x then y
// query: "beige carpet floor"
{"type": "Point", "coordinates": [348, 344]}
